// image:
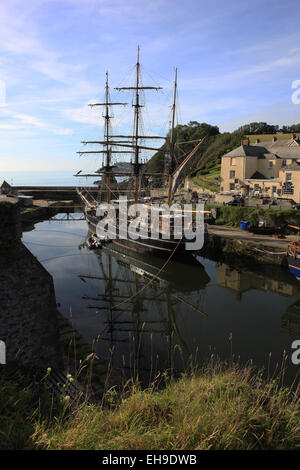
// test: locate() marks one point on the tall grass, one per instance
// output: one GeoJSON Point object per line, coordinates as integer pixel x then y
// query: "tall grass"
{"type": "Point", "coordinates": [219, 407]}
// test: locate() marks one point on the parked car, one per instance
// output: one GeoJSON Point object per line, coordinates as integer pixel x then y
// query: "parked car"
{"type": "Point", "coordinates": [194, 197]}
{"type": "Point", "coordinates": [235, 202]}
{"type": "Point", "coordinates": [296, 206]}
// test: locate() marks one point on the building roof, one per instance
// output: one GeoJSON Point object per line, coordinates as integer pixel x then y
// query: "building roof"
{"type": "Point", "coordinates": [284, 149]}
{"type": "Point", "coordinates": [5, 185]}
{"type": "Point", "coordinates": [292, 167]}
{"type": "Point", "coordinates": [246, 150]}
{"type": "Point", "coordinates": [257, 176]}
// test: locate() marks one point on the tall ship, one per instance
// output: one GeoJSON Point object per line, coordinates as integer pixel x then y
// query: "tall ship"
{"type": "Point", "coordinates": [170, 240]}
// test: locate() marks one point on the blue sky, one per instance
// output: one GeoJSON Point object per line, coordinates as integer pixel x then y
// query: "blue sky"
{"type": "Point", "coordinates": [236, 63]}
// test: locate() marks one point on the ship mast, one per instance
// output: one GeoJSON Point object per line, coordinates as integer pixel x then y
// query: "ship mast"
{"type": "Point", "coordinates": [136, 167]}
{"type": "Point", "coordinates": [132, 145]}
{"type": "Point", "coordinates": [107, 142]}
{"type": "Point", "coordinates": [108, 149]}
{"type": "Point", "coordinates": [137, 106]}
{"type": "Point", "coordinates": [172, 141]}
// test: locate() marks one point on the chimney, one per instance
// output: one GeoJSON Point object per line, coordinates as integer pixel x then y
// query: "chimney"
{"type": "Point", "coordinates": [245, 141]}
{"type": "Point", "coordinates": [274, 139]}
{"type": "Point", "coordinates": [257, 141]}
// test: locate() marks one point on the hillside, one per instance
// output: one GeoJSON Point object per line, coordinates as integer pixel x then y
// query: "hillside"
{"type": "Point", "coordinates": [205, 164]}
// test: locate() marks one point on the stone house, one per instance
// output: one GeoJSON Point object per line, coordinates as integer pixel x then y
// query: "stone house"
{"type": "Point", "coordinates": [267, 169]}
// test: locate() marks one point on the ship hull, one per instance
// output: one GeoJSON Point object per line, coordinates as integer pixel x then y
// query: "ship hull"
{"type": "Point", "coordinates": [159, 246]}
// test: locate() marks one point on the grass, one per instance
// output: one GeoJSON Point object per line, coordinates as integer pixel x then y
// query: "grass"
{"type": "Point", "coordinates": [23, 403]}
{"type": "Point", "coordinates": [221, 407]}
{"type": "Point", "coordinates": [206, 178]}
{"type": "Point", "coordinates": [232, 216]}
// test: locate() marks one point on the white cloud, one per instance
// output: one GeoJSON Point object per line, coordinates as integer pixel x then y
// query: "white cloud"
{"type": "Point", "coordinates": [29, 120]}
{"type": "Point", "coordinates": [84, 115]}
{"type": "Point", "coordinates": [19, 121]}
{"type": "Point", "coordinates": [278, 113]}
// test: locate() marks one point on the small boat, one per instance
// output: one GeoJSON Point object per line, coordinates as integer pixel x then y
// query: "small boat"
{"type": "Point", "coordinates": [262, 229]}
{"type": "Point", "coordinates": [293, 255]}
{"type": "Point", "coordinates": [94, 242]}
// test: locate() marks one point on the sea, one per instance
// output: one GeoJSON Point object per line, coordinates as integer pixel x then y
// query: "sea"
{"type": "Point", "coordinates": [42, 178]}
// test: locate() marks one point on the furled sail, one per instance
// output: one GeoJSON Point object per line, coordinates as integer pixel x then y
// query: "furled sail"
{"type": "Point", "coordinates": [183, 164]}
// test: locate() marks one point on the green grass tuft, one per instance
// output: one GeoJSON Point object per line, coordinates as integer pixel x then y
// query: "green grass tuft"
{"type": "Point", "coordinates": [219, 408]}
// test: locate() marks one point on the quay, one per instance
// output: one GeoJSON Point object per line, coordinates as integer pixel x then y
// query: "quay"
{"type": "Point", "coordinates": [53, 193]}
{"type": "Point", "coordinates": [260, 249]}
{"type": "Point", "coordinates": [39, 209]}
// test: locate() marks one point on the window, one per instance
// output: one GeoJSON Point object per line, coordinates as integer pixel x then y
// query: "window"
{"type": "Point", "coordinates": [232, 174]}
{"type": "Point", "coordinates": [283, 162]}
{"type": "Point", "coordinates": [287, 188]}
{"type": "Point", "coordinates": [256, 187]}
{"type": "Point", "coordinates": [273, 189]}
{"type": "Point", "coordinates": [232, 161]}
{"type": "Point", "coordinates": [288, 176]}
{"type": "Point", "coordinates": [270, 164]}
{"type": "Point", "coordinates": [221, 188]}
{"type": "Point", "coordinates": [231, 186]}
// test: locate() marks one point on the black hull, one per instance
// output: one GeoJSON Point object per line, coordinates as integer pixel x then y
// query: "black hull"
{"type": "Point", "coordinates": [147, 246]}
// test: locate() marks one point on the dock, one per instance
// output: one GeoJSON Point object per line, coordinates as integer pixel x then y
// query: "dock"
{"type": "Point", "coordinates": [260, 249]}
{"type": "Point", "coordinates": [53, 193]}
{"type": "Point", "coordinates": [39, 209]}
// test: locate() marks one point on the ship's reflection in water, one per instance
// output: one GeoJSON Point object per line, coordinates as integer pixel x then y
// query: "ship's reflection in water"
{"type": "Point", "coordinates": [189, 310]}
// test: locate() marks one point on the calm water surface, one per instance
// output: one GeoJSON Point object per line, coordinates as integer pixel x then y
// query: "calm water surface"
{"type": "Point", "coordinates": [189, 310]}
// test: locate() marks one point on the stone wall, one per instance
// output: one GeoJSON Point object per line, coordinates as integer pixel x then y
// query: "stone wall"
{"type": "Point", "coordinates": [10, 224]}
{"type": "Point", "coordinates": [28, 313]}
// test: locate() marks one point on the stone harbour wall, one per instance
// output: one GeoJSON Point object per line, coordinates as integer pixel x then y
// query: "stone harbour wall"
{"type": "Point", "coordinates": [28, 313]}
{"type": "Point", "coordinates": [10, 224]}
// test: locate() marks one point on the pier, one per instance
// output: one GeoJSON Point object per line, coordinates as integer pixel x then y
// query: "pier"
{"type": "Point", "coordinates": [39, 209]}
{"type": "Point", "coordinates": [53, 193]}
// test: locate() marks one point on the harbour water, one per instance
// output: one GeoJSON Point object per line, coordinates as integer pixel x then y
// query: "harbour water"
{"type": "Point", "coordinates": [190, 310]}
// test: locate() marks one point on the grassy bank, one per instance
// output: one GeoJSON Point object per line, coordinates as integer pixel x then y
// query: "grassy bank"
{"type": "Point", "coordinates": [219, 408]}
{"type": "Point", "coordinates": [232, 216]}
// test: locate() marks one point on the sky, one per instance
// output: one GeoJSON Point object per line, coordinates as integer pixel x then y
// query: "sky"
{"type": "Point", "coordinates": [237, 61]}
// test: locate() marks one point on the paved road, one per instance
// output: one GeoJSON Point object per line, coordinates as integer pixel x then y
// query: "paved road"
{"type": "Point", "coordinates": [240, 234]}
